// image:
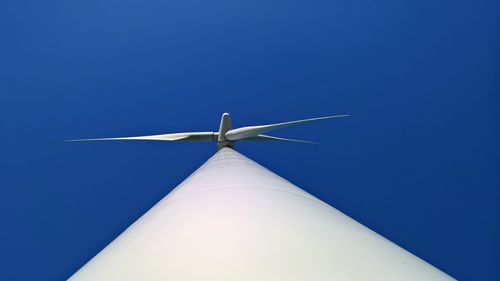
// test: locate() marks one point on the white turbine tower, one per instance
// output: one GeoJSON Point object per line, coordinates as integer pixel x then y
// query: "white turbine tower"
{"type": "Point", "coordinates": [233, 219]}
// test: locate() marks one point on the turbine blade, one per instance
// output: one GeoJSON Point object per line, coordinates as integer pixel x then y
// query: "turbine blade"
{"type": "Point", "coordinates": [190, 136]}
{"type": "Point", "coordinates": [251, 131]}
{"type": "Point", "coordinates": [272, 138]}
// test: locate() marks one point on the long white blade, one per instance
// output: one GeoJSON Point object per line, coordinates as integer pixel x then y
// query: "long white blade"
{"type": "Point", "coordinates": [190, 136]}
{"type": "Point", "coordinates": [251, 131]}
{"type": "Point", "coordinates": [272, 138]}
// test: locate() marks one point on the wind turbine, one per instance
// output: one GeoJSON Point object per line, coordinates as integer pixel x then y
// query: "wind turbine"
{"type": "Point", "coordinates": [226, 136]}
{"type": "Point", "coordinates": [233, 219]}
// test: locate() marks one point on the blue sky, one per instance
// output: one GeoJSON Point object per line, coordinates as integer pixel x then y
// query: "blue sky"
{"type": "Point", "coordinates": [417, 162]}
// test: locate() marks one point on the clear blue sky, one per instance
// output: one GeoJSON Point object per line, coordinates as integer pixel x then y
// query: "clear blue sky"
{"type": "Point", "coordinates": [418, 161]}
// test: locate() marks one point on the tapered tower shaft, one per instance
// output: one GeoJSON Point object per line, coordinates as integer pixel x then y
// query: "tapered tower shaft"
{"type": "Point", "coordinates": [233, 219]}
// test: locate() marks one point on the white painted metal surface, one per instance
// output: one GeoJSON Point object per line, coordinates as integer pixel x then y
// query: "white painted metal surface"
{"type": "Point", "coordinates": [233, 219]}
